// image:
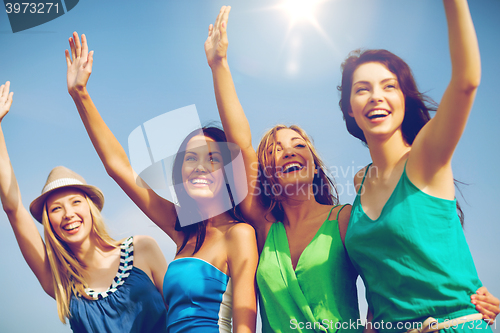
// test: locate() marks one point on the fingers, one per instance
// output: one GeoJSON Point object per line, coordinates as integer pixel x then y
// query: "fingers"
{"type": "Point", "coordinates": [5, 98]}
{"type": "Point", "coordinates": [72, 48]}
{"type": "Point", "coordinates": [219, 16]}
{"type": "Point", "coordinates": [68, 59]}
{"type": "Point", "coordinates": [2, 87]}
{"type": "Point", "coordinates": [8, 103]}
{"type": "Point", "coordinates": [210, 29]}
{"type": "Point", "coordinates": [486, 303]}
{"type": "Point", "coordinates": [90, 61]}
{"type": "Point", "coordinates": [482, 291]}
{"type": "Point", "coordinates": [225, 17]}
{"type": "Point", "coordinates": [4, 90]}
{"type": "Point", "coordinates": [85, 47]}
{"type": "Point", "coordinates": [78, 46]}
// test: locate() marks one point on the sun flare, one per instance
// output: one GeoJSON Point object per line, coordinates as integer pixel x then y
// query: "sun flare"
{"type": "Point", "coordinates": [301, 10]}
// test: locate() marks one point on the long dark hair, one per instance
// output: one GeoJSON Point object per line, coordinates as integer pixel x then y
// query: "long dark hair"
{"type": "Point", "coordinates": [187, 204]}
{"type": "Point", "coordinates": [417, 104]}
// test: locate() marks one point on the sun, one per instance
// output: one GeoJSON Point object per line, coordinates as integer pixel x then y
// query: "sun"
{"type": "Point", "coordinates": [300, 10]}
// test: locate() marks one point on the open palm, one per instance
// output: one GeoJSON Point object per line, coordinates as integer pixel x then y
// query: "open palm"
{"type": "Point", "coordinates": [79, 63]}
{"type": "Point", "coordinates": [5, 99]}
{"type": "Point", "coordinates": [216, 43]}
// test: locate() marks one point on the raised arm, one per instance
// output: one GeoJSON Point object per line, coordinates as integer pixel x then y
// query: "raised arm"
{"type": "Point", "coordinates": [434, 146]}
{"type": "Point", "coordinates": [111, 153]}
{"type": "Point", "coordinates": [27, 235]}
{"type": "Point", "coordinates": [233, 117]}
{"type": "Point", "coordinates": [242, 261]}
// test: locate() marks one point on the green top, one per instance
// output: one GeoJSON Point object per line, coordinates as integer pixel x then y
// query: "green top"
{"type": "Point", "coordinates": [413, 259]}
{"type": "Point", "coordinates": [321, 290]}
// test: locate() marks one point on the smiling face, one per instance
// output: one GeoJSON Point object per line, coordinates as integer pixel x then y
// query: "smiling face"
{"type": "Point", "coordinates": [377, 102]}
{"type": "Point", "coordinates": [202, 168]}
{"type": "Point", "coordinates": [293, 159]}
{"type": "Point", "coordinates": [69, 215]}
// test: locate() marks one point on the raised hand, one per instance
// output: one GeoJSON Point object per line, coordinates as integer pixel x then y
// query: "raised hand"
{"type": "Point", "coordinates": [79, 64]}
{"type": "Point", "coordinates": [216, 43]}
{"type": "Point", "coordinates": [5, 99]}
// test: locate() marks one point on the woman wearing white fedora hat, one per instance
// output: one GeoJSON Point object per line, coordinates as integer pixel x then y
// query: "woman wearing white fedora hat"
{"type": "Point", "coordinates": [99, 284]}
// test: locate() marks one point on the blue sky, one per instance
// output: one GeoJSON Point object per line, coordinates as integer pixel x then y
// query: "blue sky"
{"type": "Point", "coordinates": [149, 60]}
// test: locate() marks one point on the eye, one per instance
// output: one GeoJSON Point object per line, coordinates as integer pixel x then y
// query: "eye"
{"type": "Point", "coordinates": [390, 86]}
{"type": "Point", "coordinates": [54, 209]}
{"type": "Point", "coordinates": [214, 159]}
{"type": "Point", "coordinates": [300, 145]}
{"type": "Point", "coordinates": [190, 158]}
{"type": "Point", "coordinates": [360, 89]}
{"type": "Point", "coordinates": [76, 201]}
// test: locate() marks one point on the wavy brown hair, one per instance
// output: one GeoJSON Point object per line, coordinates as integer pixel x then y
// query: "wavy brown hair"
{"type": "Point", "coordinates": [325, 191]}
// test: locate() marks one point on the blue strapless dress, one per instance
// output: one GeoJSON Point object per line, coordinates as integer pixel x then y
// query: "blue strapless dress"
{"type": "Point", "coordinates": [199, 297]}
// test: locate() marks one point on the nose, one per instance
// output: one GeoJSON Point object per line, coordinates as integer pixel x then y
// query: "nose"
{"type": "Point", "coordinates": [69, 213]}
{"type": "Point", "coordinates": [288, 152]}
{"type": "Point", "coordinates": [200, 168]}
{"type": "Point", "coordinates": [376, 95]}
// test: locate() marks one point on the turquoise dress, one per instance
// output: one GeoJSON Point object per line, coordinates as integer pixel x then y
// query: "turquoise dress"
{"type": "Point", "coordinates": [320, 295]}
{"type": "Point", "coordinates": [413, 259]}
{"type": "Point", "coordinates": [131, 304]}
{"type": "Point", "coordinates": [199, 297]}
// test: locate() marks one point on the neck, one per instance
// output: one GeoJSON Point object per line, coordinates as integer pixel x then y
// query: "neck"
{"type": "Point", "coordinates": [213, 208]}
{"type": "Point", "coordinates": [300, 207]}
{"type": "Point", "coordinates": [387, 152]}
{"type": "Point", "coordinates": [218, 220]}
{"type": "Point", "coordinates": [90, 251]}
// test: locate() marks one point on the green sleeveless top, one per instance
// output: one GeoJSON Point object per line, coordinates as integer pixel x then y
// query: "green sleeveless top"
{"type": "Point", "coordinates": [413, 259]}
{"type": "Point", "coordinates": [320, 292]}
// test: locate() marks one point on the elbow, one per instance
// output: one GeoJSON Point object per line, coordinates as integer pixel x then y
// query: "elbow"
{"type": "Point", "coordinates": [113, 167]}
{"type": "Point", "coordinates": [110, 171]}
{"type": "Point", "coordinates": [467, 85]}
{"type": "Point", "coordinates": [471, 85]}
{"type": "Point", "coordinates": [467, 82]}
{"type": "Point", "coordinates": [10, 209]}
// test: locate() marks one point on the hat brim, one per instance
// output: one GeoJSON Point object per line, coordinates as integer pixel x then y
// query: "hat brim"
{"type": "Point", "coordinates": [37, 205]}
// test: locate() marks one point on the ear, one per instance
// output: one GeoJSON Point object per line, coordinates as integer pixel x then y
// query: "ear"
{"type": "Point", "coordinates": [350, 113]}
{"type": "Point", "coordinates": [316, 170]}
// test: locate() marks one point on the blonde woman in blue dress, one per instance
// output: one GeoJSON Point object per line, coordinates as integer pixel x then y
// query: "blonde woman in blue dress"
{"type": "Point", "coordinates": [98, 283]}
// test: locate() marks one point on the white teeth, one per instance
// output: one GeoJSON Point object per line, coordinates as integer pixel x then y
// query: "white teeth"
{"type": "Point", "coordinates": [377, 112]}
{"type": "Point", "coordinates": [288, 166]}
{"type": "Point", "coordinates": [72, 226]}
{"type": "Point", "coordinates": [200, 181]}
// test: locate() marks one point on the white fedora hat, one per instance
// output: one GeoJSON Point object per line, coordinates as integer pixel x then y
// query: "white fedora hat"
{"type": "Point", "coordinates": [61, 177]}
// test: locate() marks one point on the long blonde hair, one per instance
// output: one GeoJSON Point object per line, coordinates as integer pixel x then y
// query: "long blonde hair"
{"type": "Point", "coordinates": [325, 191]}
{"type": "Point", "coordinates": [67, 271]}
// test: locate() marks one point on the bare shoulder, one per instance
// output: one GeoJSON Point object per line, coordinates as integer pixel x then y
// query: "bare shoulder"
{"type": "Point", "coordinates": [343, 220]}
{"type": "Point", "coordinates": [241, 249]}
{"type": "Point", "coordinates": [344, 214]}
{"type": "Point", "coordinates": [358, 177]}
{"type": "Point", "coordinates": [145, 245]}
{"type": "Point", "coordinates": [240, 231]}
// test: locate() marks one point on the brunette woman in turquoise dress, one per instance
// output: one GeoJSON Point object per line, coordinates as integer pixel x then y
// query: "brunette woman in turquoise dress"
{"type": "Point", "coordinates": [405, 237]}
